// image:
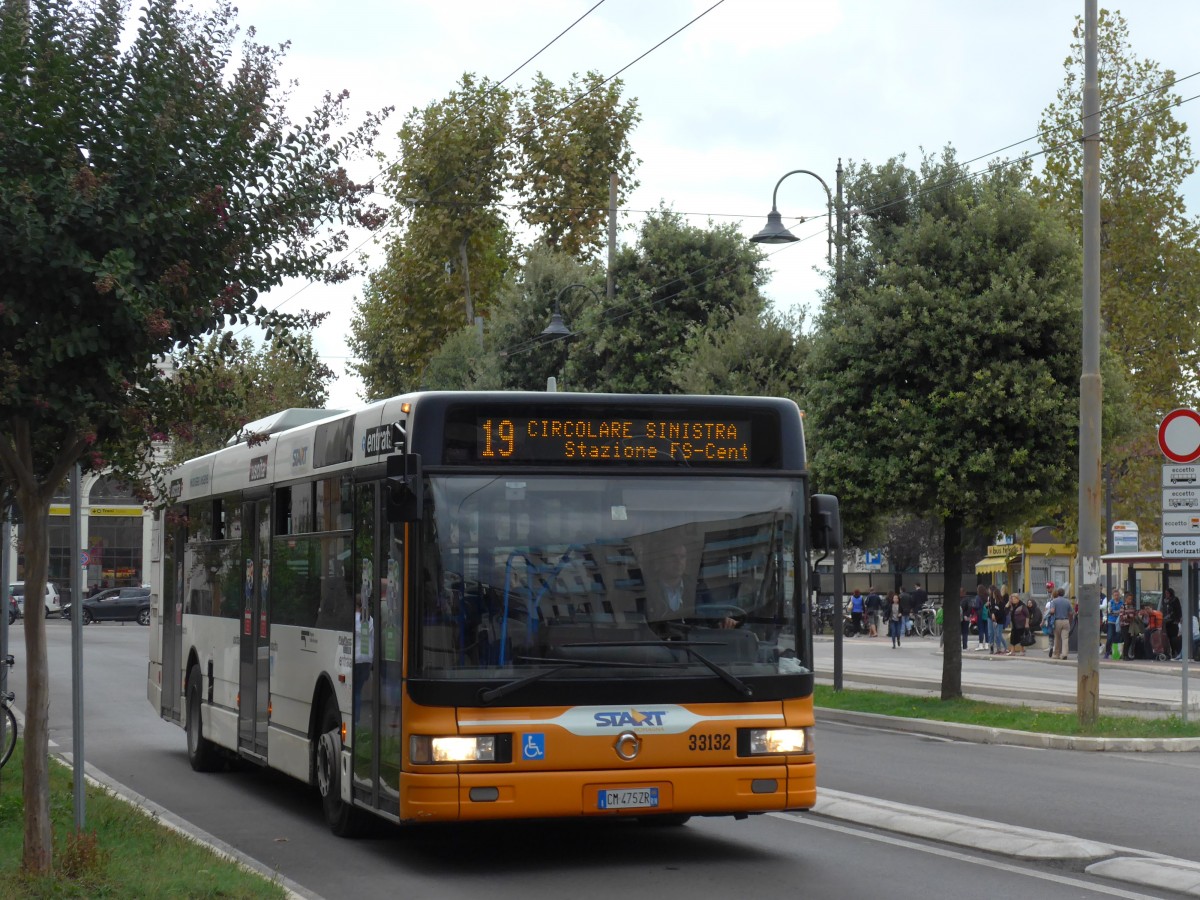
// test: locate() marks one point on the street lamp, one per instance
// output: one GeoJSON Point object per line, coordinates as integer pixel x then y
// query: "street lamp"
{"type": "Point", "coordinates": [775, 233]}
{"type": "Point", "coordinates": [557, 329]}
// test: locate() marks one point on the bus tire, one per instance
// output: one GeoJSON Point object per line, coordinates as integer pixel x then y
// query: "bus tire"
{"type": "Point", "coordinates": [202, 753]}
{"type": "Point", "coordinates": [343, 818]}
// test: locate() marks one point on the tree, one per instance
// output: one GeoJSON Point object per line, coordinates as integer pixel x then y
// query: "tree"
{"type": "Point", "coordinates": [676, 282]}
{"type": "Point", "coordinates": [148, 192]}
{"type": "Point", "coordinates": [571, 140]}
{"type": "Point", "coordinates": [759, 352]}
{"type": "Point", "coordinates": [455, 243]}
{"type": "Point", "coordinates": [460, 158]}
{"type": "Point", "coordinates": [944, 373]}
{"type": "Point", "coordinates": [236, 383]}
{"type": "Point", "coordinates": [1150, 264]}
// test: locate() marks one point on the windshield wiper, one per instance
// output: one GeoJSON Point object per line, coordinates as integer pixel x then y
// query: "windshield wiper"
{"type": "Point", "coordinates": [688, 647]}
{"type": "Point", "coordinates": [487, 696]}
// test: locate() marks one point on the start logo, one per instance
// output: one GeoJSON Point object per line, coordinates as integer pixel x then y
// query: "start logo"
{"type": "Point", "coordinates": [631, 718]}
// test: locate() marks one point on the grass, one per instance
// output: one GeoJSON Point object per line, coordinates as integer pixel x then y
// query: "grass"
{"type": "Point", "coordinates": [122, 853]}
{"type": "Point", "coordinates": [995, 715]}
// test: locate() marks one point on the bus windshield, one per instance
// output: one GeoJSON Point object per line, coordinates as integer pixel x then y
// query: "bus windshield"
{"type": "Point", "coordinates": [612, 576]}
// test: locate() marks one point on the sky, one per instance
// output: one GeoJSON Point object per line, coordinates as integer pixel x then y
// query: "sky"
{"type": "Point", "coordinates": [751, 90]}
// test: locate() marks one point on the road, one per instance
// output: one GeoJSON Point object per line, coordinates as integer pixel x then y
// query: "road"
{"type": "Point", "coordinates": [271, 819]}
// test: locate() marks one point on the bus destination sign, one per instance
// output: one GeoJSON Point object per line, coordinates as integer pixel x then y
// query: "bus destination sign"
{"type": "Point", "coordinates": [612, 440]}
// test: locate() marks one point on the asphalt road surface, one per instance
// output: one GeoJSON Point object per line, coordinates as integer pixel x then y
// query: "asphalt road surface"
{"type": "Point", "coordinates": [276, 821]}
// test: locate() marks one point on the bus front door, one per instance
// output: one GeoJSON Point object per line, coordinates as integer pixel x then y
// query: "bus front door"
{"type": "Point", "coordinates": [170, 621]}
{"type": "Point", "coordinates": [254, 686]}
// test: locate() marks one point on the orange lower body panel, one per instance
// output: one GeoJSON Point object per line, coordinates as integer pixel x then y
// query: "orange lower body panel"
{"type": "Point", "coordinates": [479, 796]}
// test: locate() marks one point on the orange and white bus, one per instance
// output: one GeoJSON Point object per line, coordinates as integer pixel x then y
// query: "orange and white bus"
{"type": "Point", "coordinates": [468, 606]}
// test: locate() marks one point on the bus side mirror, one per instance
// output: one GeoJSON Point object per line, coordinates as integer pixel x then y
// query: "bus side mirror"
{"type": "Point", "coordinates": [404, 488]}
{"type": "Point", "coordinates": [825, 523]}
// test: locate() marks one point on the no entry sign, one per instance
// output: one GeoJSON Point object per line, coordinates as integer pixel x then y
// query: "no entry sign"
{"type": "Point", "coordinates": [1179, 436]}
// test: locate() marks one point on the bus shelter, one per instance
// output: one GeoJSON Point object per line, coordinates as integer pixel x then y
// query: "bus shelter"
{"type": "Point", "coordinates": [1145, 573]}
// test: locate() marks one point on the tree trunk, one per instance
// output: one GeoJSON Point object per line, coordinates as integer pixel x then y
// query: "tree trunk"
{"type": "Point", "coordinates": [952, 623]}
{"type": "Point", "coordinates": [38, 854]}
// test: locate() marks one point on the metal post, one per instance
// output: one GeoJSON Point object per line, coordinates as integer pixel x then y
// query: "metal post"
{"type": "Point", "coordinates": [76, 564]}
{"type": "Point", "coordinates": [1189, 604]}
{"type": "Point", "coordinates": [838, 615]}
{"type": "Point", "coordinates": [1090, 388]}
{"type": "Point", "coordinates": [5, 581]}
{"type": "Point", "coordinates": [1108, 521]}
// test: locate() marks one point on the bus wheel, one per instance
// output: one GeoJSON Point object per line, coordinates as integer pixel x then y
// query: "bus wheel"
{"type": "Point", "coordinates": [343, 818]}
{"type": "Point", "coordinates": [202, 753]}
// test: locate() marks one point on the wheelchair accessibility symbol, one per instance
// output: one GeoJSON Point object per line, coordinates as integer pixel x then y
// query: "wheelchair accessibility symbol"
{"type": "Point", "coordinates": [533, 746]}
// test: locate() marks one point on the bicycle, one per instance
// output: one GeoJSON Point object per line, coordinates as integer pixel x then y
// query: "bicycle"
{"type": "Point", "coordinates": [10, 727]}
{"type": "Point", "coordinates": [923, 621]}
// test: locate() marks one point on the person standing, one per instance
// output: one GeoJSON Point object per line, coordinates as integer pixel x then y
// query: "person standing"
{"type": "Point", "coordinates": [1115, 606]}
{"type": "Point", "coordinates": [979, 616]}
{"type": "Point", "coordinates": [1172, 619]}
{"type": "Point", "coordinates": [895, 617]}
{"type": "Point", "coordinates": [1019, 616]}
{"type": "Point", "coordinates": [964, 606]}
{"type": "Point", "coordinates": [997, 619]}
{"type": "Point", "coordinates": [874, 606]}
{"type": "Point", "coordinates": [856, 612]}
{"type": "Point", "coordinates": [1060, 608]}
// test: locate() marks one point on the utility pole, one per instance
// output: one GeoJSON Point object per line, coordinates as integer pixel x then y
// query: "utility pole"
{"type": "Point", "coordinates": [1090, 390]}
{"type": "Point", "coordinates": [612, 235]}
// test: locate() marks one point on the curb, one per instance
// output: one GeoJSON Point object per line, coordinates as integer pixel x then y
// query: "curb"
{"type": "Point", "coordinates": [1106, 861]}
{"type": "Point", "coordinates": [985, 691]}
{"type": "Point", "coordinates": [172, 822]}
{"type": "Point", "coordinates": [979, 734]}
{"type": "Point", "coordinates": [962, 831]}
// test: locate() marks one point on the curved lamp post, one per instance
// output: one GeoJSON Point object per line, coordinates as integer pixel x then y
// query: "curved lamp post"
{"type": "Point", "coordinates": [557, 329]}
{"type": "Point", "coordinates": [775, 233]}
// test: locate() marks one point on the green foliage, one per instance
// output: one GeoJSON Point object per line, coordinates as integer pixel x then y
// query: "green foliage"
{"type": "Point", "coordinates": [234, 382]}
{"type": "Point", "coordinates": [944, 376]}
{"type": "Point", "coordinates": [571, 139]}
{"type": "Point", "coordinates": [453, 175]}
{"type": "Point", "coordinates": [677, 282]}
{"type": "Point", "coordinates": [520, 358]}
{"type": "Point", "coordinates": [150, 189]}
{"type": "Point", "coordinates": [759, 352]}
{"type": "Point", "coordinates": [1150, 262]}
{"type": "Point", "coordinates": [112, 858]}
{"type": "Point", "coordinates": [126, 228]}
{"type": "Point", "coordinates": [460, 157]}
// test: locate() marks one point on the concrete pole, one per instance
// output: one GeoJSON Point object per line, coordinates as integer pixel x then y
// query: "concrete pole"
{"type": "Point", "coordinates": [1090, 390]}
{"type": "Point", "coordinates": [611, 288]}
{"type": "Point", "coordinates": [76, 570]}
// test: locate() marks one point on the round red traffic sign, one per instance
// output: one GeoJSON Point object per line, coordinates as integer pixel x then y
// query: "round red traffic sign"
{"type": "Point", "coordinates": [1179, 435]}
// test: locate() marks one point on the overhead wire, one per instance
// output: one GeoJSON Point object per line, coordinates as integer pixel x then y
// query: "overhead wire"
{"type": "Point", "coordinates": [508, 143]}
{"type": "Point", "coordinates": [444, 126]}
{"type": "Point", "coordinates": [535, 342]}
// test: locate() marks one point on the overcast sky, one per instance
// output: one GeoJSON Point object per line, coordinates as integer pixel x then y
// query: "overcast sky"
{"type": "Point", "coordinates": [751, 90]}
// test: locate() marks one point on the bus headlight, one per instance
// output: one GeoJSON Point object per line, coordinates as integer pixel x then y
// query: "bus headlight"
{"type": "Point", "coordinates": [452, 749]}
{"type": "Point", "coordinates": [780, 740]}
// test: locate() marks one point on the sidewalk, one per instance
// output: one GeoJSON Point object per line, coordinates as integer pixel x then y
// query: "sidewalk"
{"type": "Point", "coordinates": [1132, 688]}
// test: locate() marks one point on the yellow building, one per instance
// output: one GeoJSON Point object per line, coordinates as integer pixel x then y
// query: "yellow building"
{"type": "Point", "coordinates": [1027, 568]}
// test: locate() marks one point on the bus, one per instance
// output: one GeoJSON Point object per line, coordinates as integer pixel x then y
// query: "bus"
{"type": "Point", "coordinates": [463, 606]}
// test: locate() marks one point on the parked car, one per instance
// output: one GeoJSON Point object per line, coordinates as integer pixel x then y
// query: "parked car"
{"type": "Point", "coordinates": [127, 604]}
{"type": "Point", "coordinates": [52, 602]}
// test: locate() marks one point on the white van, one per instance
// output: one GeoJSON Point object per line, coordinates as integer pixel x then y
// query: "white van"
{"type": "Point", "coordinates": [53, 602]}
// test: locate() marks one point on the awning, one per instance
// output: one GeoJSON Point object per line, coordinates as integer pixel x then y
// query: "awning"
{"type": "Point", "coordinates": [991, 564]}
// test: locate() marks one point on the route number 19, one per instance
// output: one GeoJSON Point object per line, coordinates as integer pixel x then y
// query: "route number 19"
{"type": "Point", "coordinates": [498, 438]}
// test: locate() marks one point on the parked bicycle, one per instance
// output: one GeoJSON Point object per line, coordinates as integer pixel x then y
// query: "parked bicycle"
{"type": "Point", "coordinates": [10, 725]}
{"type": "Point", "coordinates": [923, 621]}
